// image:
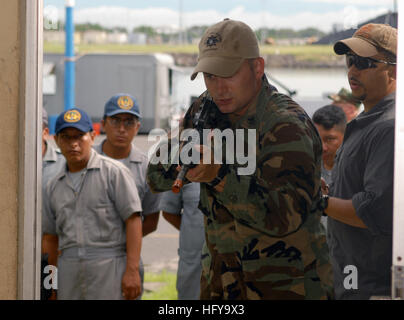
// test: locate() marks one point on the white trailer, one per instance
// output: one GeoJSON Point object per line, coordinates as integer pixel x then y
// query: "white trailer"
{"type": "Point", "coordinates": [148, 77]}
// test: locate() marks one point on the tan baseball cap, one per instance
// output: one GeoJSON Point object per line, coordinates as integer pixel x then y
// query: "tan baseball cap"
{"type": "Point", "coordinates": [367, 39]}
{"type": "Point", "coordinates": [223, 48]}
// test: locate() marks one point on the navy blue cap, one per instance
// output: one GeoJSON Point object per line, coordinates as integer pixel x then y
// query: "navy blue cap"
{"type": "Point", "coordinates": [121, 103]}
{"type": "Point", "coordinates": [74, 118]}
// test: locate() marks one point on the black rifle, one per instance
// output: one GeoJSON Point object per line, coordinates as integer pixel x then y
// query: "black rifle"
{"type": "Point", "coordinates": [199, 123]}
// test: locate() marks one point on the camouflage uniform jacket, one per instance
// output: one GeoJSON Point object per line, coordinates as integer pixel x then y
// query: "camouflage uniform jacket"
{"type": "Point", "coordinates": [263, 234]}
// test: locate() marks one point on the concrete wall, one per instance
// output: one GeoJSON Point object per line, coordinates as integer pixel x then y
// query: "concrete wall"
{"type": "Point", "coordinates": [9, 104]}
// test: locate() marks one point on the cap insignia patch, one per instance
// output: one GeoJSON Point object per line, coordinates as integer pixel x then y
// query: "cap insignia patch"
{"type": "Point", "coordinates": [125, 102]}
{"type": "Point", "coordinates": [213, 39]}
{"type": "Point", "coordinates": [72, 116]}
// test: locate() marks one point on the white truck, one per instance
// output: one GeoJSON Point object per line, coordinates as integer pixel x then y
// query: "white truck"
{"type": "Point", "coordinates": [148, 77]}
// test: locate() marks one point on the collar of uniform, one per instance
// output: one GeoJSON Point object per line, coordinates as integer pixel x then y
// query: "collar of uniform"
{"type": "Point", "coordinates": [135, 154]}
{"type": "Point", "coordinates": [93, 162]}
{"type": "Point", "coordinates": [50, 154]}
{"type": "Point", "coordinates": [381, 107]}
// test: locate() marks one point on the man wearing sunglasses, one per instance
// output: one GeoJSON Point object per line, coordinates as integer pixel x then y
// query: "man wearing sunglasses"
{"type": "Point", "coordinates": [121, 124]}
{"type": "Point", "coordinates": [360, 206]}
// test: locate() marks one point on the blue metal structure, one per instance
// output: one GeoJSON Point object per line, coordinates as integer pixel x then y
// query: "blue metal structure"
{"type": "Point", "coordinates": [69, 84]}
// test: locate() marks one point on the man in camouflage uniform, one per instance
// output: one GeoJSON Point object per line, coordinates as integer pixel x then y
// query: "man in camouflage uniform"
{"type": "Point", "coordinates": [345, 100]}
{"type": "Point", "coordinates": [263, 234]}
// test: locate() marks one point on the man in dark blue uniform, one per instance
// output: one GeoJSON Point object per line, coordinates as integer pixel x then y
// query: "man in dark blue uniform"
{"type": "Point", "coordinates": [360, 208]}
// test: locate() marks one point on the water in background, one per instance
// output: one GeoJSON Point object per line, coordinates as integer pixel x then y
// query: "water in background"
{"type": "Point", "coordinates": [311, 85]}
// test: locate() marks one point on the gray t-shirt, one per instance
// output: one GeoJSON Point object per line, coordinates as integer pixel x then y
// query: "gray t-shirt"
{"type": "Point", "coordinates": [76, 178]}
{"type": "Point", "coordinates": [326, 174]}
{"type": "Point", "coordinates": [124, 161]}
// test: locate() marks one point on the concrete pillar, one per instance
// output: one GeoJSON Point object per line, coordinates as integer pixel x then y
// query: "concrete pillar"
{"type": "Point", "coordinates": [20, 144]}
{"type": "Point", "coordinates": [10, 58]}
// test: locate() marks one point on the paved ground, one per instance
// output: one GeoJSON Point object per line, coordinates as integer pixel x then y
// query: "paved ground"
{"type": "Point", "coordinates": [160, 249]}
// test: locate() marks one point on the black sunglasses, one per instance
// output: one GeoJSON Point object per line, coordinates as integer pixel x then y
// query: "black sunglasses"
{"type": "Point", "coordinates": [362, 63]}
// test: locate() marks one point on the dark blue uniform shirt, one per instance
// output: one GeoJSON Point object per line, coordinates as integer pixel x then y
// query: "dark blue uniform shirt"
{"type": "Point", "coordinates": [363, 172]}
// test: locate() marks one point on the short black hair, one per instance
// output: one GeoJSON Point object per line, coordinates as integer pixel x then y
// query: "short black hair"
{"type": "Point", "coordinates": [330, 116]}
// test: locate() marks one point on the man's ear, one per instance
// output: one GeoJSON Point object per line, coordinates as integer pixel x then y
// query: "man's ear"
{"type": "Point", "coordinates": [393, 72]}
{"type": "Point", "coordinates": [92, 135]}
{"type": "Point", "coordinates": [45, 133]}
{"type": "Point", "coordinates": [259, 67]}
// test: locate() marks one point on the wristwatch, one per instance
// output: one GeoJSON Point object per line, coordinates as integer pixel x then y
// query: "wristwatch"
{"type": "Point", "coordinates": [220, 176]}
{"type": "Point", "coordinates": [323, 203]}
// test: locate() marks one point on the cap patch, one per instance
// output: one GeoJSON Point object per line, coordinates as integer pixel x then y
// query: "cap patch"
{"type": "Point", "coordinates": [213, 39]}
{"type": "Point", "coordinates": [72, 116]}
{"type": "Point", "coordinates": [125, 102]}
{"type": "Point", "coordinates": [365, 31]}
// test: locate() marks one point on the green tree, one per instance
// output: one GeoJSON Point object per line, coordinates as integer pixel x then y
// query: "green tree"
{"type": "Point", "coordinates": [89, 26]}
{"type": "Point", "coordinates": [149, 31]}
{"type": "Point", "coordinates": [310, 32]}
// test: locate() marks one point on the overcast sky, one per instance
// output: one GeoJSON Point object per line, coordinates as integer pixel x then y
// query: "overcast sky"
{"type": "Point", "coordinates": [295, 14]}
